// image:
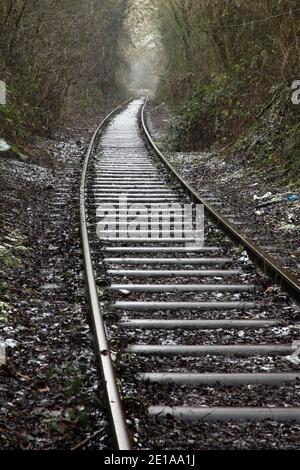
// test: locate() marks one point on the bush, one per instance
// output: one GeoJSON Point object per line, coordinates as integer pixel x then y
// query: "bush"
{"type": "Point", "coordinates": [54, 54]}
{"type": "Point", "coordinates": [207, 117]}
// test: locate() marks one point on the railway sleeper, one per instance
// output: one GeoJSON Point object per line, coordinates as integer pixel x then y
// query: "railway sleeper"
{"type": "Point", "coordinates": [206, 414]}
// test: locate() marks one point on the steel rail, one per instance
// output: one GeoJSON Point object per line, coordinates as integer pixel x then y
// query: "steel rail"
{"type": "Point", "coordinates": [107, 370]}
{"type": "Point", "coordinates": [270, 266]}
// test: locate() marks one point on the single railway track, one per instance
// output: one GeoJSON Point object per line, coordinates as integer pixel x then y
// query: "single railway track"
{"type": "Point", "coordinates": [188, 322]}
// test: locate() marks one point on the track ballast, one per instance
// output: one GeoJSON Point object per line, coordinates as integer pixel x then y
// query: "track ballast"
{"type": "Point", "coordinates": [199, 341]}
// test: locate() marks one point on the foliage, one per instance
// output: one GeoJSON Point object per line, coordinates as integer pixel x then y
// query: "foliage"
{"type": "Point", "coordinates": [4, 312]}
{"type": "Point", "coordinates": [7, 259]}
{"type": "Point", "coordinates": [9, 244]}
{"type": "Point", "coordinates": [56, 56]}
{"type": "Point", "coordinates": [274, 138]}
{"type": "Point", "coordinates": [206, 116]}
{"type": "Point", "coordinates": [222, 59]}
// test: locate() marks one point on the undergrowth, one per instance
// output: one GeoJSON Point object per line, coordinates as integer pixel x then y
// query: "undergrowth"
{"type": "Point", "coordinates": [213, 117]}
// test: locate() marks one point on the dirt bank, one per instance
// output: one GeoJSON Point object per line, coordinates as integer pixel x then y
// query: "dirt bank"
{"type": "Point", "coordinates": [50, 395]}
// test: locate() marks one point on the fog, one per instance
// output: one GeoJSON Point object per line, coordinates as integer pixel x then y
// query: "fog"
{"type": "Point", "coordinates": [142, 75]}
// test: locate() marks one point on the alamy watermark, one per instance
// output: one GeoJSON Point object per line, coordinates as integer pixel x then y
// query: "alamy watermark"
{"type": "Point", "coordinates": [2, 93]}
{"type": "Point", "coordinates": [296, 95]}
{"type": "Point", "coordinates": [2, 353]}
{"type": "Point", "coordinates": [123, 220]}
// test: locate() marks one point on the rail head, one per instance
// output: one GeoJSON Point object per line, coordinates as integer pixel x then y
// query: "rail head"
{"type": "Point", "coordinates": [270, 266]}
{"type": "Point", "coordinates": [107, 369]}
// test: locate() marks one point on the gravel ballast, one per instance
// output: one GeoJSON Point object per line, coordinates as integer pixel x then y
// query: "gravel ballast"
{"type": "Point", "coordinates": [50, 394]}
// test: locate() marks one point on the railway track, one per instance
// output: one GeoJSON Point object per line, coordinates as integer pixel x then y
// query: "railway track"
{"type": "Point", "coordinates": [185, 332]}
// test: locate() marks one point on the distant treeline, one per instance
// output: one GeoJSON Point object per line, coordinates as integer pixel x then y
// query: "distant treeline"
{"type": "Point", "coordinates": [224, 61]}
{"type": "Point", "coordinates": [58, 57]}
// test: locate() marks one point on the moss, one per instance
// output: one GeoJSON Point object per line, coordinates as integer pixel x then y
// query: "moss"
{"type": "Point", "coordinates": [16, 236]}
{"type": "Point", "coordinates": [22, 249]}
{"type": "Point", "coordinates": [5, 310]}
{"type": "Point", "coordinates": [3, 288]}
{"type": "Point", "coordinates": [7, 259]}
{"type": "Point", "coordinates": [11, 245]}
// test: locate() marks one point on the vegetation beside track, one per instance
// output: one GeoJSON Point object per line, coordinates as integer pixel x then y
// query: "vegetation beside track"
{"type": "Point", "coordinates": [227, 73]}
{"type": "Point", "coordinates": [58, 59]}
